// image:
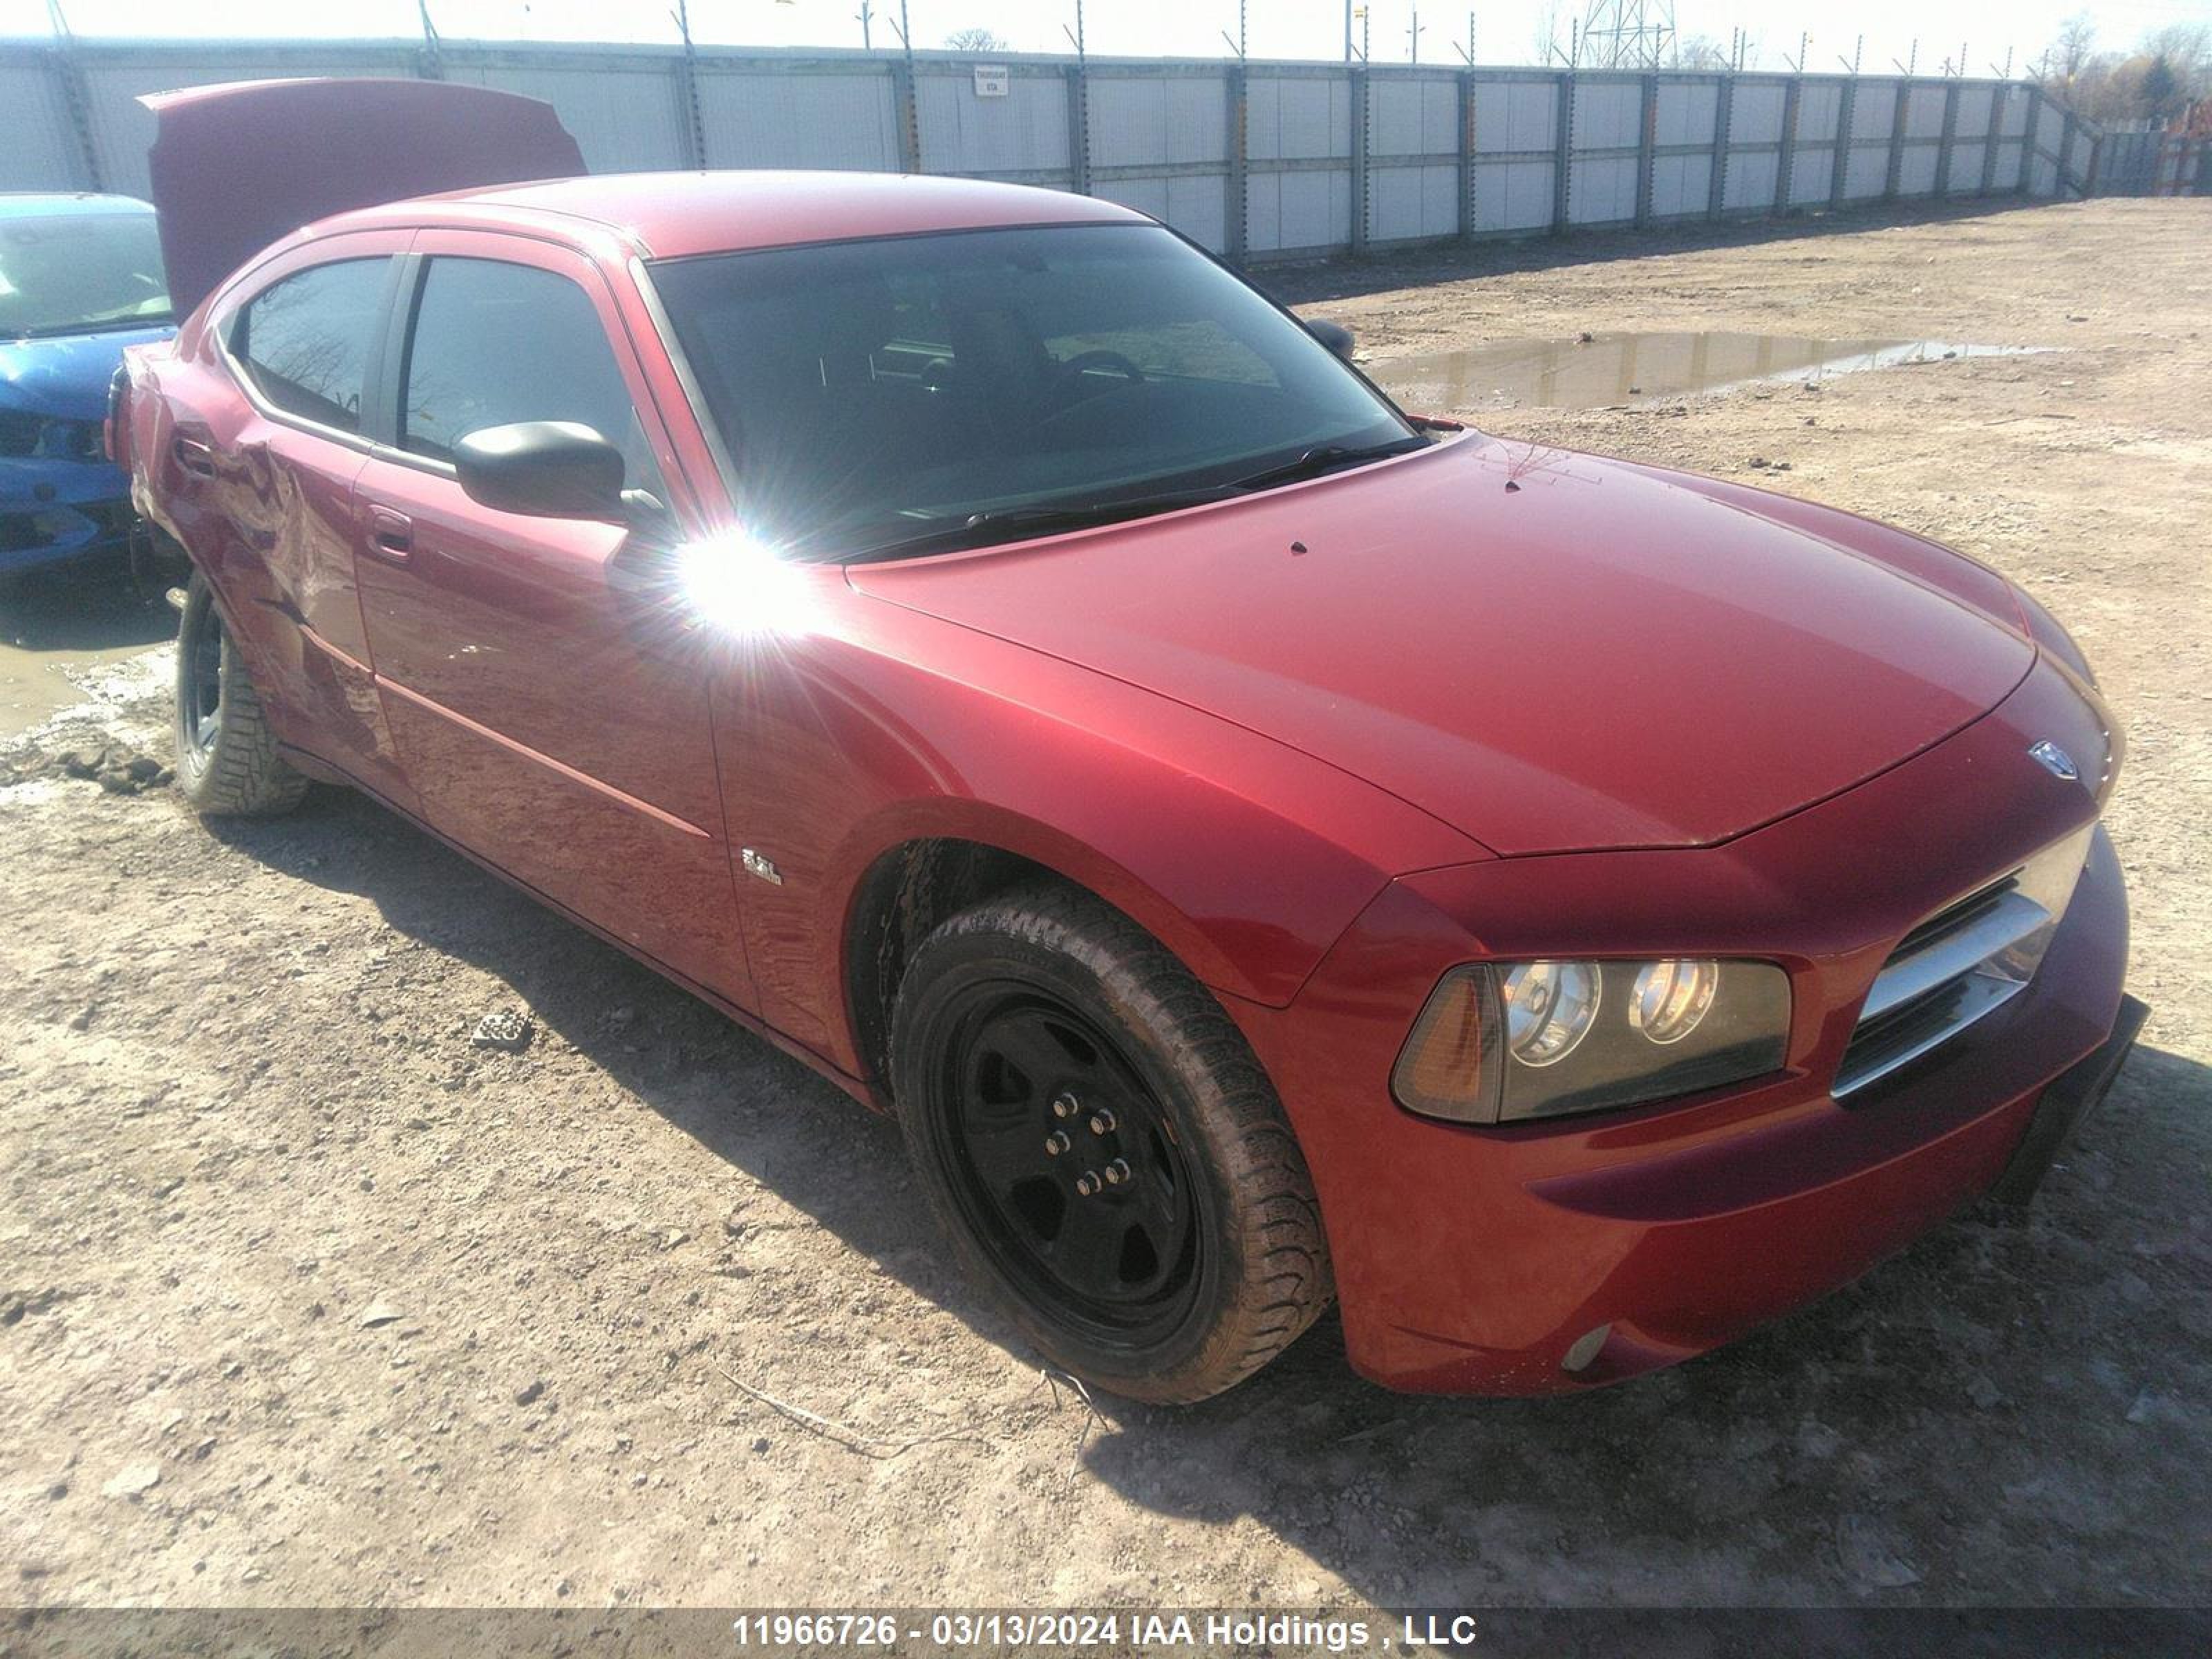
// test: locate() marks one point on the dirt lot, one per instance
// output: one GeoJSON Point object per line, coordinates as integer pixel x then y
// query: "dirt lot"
{"type": "Point", "coordinates": [305, 1300]}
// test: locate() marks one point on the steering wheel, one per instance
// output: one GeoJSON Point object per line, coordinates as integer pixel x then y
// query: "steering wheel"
{"type": "Point", "coordinates": [1083, 362]}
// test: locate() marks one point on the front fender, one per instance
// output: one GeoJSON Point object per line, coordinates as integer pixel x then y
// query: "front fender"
{"type": "Point", "coordinates": [1243, 856]}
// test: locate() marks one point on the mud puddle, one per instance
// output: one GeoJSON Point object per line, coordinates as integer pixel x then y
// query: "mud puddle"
{"type": "Point", "coordinates": [1605, 369]}
{"type": "Point", "coordinates": [57, 625]}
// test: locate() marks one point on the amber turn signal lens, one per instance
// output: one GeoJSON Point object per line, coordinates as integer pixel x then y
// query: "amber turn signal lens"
{"type": "Point", "coordinates": [1447, 1067]}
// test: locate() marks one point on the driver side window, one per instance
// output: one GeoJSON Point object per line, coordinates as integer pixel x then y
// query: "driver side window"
{"type": "Point", "coordinates": [493, 344]}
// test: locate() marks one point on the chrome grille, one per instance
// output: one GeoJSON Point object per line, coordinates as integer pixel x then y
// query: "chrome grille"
{"type": "Point", "coordinates": [1962, 965]}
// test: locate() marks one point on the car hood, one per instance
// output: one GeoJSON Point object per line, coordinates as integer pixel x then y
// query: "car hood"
{"type": "Point", "coordinates": [235, 167]}
{"type": "Point", "coordinates": [1547, 651]}
{"type": "Point", "coordinates": [67, 375]}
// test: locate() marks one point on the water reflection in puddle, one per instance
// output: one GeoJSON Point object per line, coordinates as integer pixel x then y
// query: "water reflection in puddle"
{"type": "Point", "coordinates": [1620, 368]}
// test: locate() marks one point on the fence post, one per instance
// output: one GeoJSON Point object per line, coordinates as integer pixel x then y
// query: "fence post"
{"type": "Point", "coordinates": [1079, 128]}
{"type": "Point", "coordinates": [68, 74]}
{"type": "Point", "coordinates": [907, 113]}
{"type": "Point", "coordinates": [1644, 148]}
{"type": "Point", "coordinates": [1847, 113]}
{"type": "Point", "coordinates": [1466, 156]}
{"type": "Point", "coordinates": [2096, 156]}
{"type": "Point", "coordinates": [695, 117]}
{"type": "Point", "coordinates": [1359, 103]}
{"type": "Point", "coordinates": [1723, 127]}
{"type": "Point", "coordinates": [1236, 228]}
{"type": "Point", "coordinates": [1899, 121]}
{"type": "Point", "coordinates": [1950, 138]}
{"type": "Point", "coordinates": [1563, 151]}
{"type": "Point", "coordinates": [1792, 97]}
{"type": "Point", "coordinates": [1998, 97]}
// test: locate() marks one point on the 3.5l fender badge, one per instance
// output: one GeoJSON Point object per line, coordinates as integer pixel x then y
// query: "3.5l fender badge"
{"type": "Point", "coordinates": [2054, 760]}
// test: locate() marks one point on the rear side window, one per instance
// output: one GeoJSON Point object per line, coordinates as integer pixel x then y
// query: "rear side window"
{"type": "Point", "coordinates": [304, 343]}
{"type": "Point", "coordinates": [493, 344]}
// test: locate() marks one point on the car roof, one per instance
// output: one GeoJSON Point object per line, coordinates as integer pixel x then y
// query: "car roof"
{"type": "Point", "coordinates": [672, 215]}
{"type": "Point", "coordinates": [56, 205]}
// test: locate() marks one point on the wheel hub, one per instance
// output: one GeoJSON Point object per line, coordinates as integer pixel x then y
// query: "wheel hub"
{"type": "Point", "coordinates": [1073, 1169]}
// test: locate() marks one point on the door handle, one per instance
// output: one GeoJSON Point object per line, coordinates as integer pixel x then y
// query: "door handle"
{"type": "Point", "coordinates": [391, 535]}
{"type": "Point", "coordinates": [194, 456]}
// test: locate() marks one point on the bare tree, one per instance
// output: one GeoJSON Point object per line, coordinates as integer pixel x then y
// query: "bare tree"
{"type": "Point", "coordinates": [2186, 49]}
{"type": "Point", "coordinates": [975, 40]}
{"type": "Point", "coordinates": [1546, 39]}
{"type": "Point", "coordinates": [1700, 51]}
{"type": "Point", "coordinates": [2070, 52]}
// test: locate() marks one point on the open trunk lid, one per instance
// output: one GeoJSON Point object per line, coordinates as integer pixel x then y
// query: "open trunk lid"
{"type": "Point", "coordinates": [236, 166]}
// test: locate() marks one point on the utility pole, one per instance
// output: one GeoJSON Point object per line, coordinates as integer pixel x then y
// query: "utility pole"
{"type": "Point", "coordinates": [863, 17]}
{"type": "Point", "coordinates": [1414, 37]}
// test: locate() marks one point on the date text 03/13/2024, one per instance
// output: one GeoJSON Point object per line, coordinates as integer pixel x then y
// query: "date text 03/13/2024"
{"type": "Point", "coordinates": [956, 1631]}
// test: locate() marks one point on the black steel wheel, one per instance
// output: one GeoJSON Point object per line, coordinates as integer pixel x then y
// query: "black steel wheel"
{"type": "Point", "coordinates": [227, 758]}
{"type": "Point", "coordinates": [1102, 1148]}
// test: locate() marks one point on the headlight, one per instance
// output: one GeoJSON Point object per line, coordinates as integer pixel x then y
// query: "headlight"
{"type": "Point", "coordinates": [1498, 1043]}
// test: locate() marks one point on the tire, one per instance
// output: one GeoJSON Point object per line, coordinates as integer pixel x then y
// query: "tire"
{"type": "Point", "coordinates": [227, 761]}
{"type": "Point", "coordinates": [1201, 1257]}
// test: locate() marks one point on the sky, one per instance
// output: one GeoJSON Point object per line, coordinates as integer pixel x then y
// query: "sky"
{"type": "Point", "coordinates": [1506, 31]}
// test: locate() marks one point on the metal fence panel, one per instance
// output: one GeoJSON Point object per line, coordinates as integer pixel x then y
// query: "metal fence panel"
{"type": "Point", "coordinates": [1440, 153]}
{"type": "Point", "coordinates": [1819, 107]}
{"type": "Point", "coordinates": [1301, 118]}
{"type": "Point", "coordinates": [758, 118]}
{"type": "Point", "coordinates": [1752, 180]}
{"type": "Point", "coordinates": [1406, 204]}
{"type": "Point", "coordinates": [1022, 134]}
{"type": "Point", "coordinates": [1304, 211]}
{"type": "Point", "coordinates": [41, 151]}
{"type": "Point", "coordinates": [1413, 115]}
{"type": "Point", "coordinates": [1139, 119]}
{"type": "Point", "coordinates": [1515, 115]}
{"type": "Point", "coordinates": [1609, 113]}
{"type": "Point", "coordinates": [1681, 184]}
{"type": "Point", "coordinates": [627, 114]}
{"type": "Point", "coordinates": [1601, 191]}
{"type": "Point", "coordinates": [1194, 203]}
{"type": "Point", "coordinates": [1756, 116]}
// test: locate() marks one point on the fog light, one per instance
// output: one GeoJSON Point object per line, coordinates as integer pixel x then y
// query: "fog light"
{"type": "Point", "coordinates": [1671, 997]}
{"type": "Point", "coordinates": [1586, 1349]}
{"type": "Point", "coordinates": [1549, 1008]}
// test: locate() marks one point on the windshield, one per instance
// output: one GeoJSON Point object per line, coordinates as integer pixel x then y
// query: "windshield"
{"type": "Point", "coordinates": [79, 273]}
{"type": "Point", "coordinates": [877, 394]}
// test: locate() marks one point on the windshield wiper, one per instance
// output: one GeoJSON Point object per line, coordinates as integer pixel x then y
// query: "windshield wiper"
{"type": "Point", "coordinates": [1327, 457]}
{"type": "Point", "coordinates": [978, 529]}
{"type": "Point", "coordinates": [1006, 524]}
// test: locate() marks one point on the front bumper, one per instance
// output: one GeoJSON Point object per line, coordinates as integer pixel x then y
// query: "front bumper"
{"type": "Point", "coordinates": [54, 511]}
{"type": "Point", "coordinates": [1474, 1259]}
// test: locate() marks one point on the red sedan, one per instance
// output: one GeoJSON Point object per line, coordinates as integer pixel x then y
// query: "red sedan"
{"type": "Point", "coordinates": [1264, 848]}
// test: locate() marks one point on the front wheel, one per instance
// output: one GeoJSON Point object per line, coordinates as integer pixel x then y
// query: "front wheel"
{"type": "Point", "coordinates": [227, 759]}
{"type": "Point", "coordinates": [1104, 1150]}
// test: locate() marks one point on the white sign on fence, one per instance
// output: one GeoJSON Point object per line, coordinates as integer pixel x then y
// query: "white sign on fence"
{"type": "Point", "coordinates": [990, 80]}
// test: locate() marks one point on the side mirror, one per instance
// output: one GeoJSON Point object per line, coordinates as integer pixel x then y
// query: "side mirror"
{"type": "Point", "coordinates": [548, 469]}
{"type": "Point", "coordinates": [1335, 336]}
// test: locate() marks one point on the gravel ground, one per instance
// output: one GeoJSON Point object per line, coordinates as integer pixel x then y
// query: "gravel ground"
{"type": "Point", "coordinates": [304, 1299]}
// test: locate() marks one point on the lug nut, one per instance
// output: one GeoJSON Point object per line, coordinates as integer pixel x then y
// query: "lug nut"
{"type": "Point", "coordinates": [1064, 1105]}
{"type": "Point", "coordinates": [1117, 1172]}
{"type": "Point", "coordinates": [1056, 1144]}
{"type": "Point", "coordinates": [1101, 1120]}
{"type": "Point", "coordinates": [1087, 1182]}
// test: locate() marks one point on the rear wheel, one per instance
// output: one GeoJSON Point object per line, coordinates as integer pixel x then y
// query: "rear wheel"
{"type": "Point", "coordinates": [227, 759]}
{"type": "Point", "coordinates": [1101, 1147]}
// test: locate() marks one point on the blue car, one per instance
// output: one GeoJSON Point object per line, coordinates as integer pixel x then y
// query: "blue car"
{"type": "Point", "coordinates": [80, 278]}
